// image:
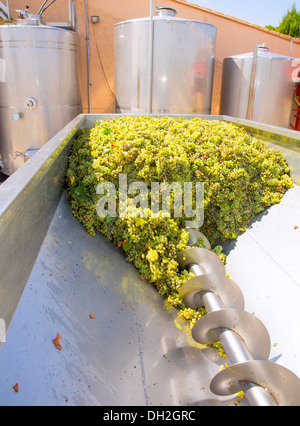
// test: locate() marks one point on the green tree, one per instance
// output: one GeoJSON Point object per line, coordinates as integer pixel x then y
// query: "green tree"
{"type": "Point", "coordinates": [290, 23]}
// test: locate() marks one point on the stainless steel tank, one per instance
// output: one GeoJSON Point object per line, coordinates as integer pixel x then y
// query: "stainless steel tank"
{"type": "Point", "coordinates": [39, 87]}
{"type": "Point", "coordinates": [182, 67]}
{"type": "Point", "coordinates": [259, 86]}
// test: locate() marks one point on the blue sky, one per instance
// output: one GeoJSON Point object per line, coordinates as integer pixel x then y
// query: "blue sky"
{"type": "Point", "coordinates": [260, 12]}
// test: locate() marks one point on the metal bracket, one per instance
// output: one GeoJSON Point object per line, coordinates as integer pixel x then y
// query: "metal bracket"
{"type": "Point", "coordinates": [27, 154]}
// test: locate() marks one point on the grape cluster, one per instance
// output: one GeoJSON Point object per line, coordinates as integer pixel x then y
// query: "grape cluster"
{"type": "Point", "coordinates": [241, 176]}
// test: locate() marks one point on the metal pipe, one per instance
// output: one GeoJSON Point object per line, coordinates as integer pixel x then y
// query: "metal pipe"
{"type": "Point", "coordinates": [150, 58]}
{"type": "Point", "coordinates": [252, 84]}
{"type": "Point", "coordinates": [291, 44]}
{"type": "Point", "coordinates": [88, 55]}
{"type": "Point", "coordinates": [7, 9]}
{"type": "Point", "coordinates": [234, 347]}
{"type": "Point", "coordinates": [70, 12]}
{"type": "Point", "coordinates": [211, 301]}
{"type": "Point", "coordinates": [197, 270]}
{"type": "Point", "coordinates": [74, 17]}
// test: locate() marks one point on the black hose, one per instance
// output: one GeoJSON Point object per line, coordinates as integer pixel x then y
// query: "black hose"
{"type": "Point", "coordinates": [42, 6]}
{"type": "Point", "coordinates": [47, 7]}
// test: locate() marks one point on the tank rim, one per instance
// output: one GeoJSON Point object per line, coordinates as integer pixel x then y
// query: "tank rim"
{"type": "Point", "coordinates": [42, 26]}
{"type": "Point", "coordinates": [164, 18]}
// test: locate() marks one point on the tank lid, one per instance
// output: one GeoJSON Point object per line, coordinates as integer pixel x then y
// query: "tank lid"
{"type": "Point", "coordinates": [165, 11]}
{"type": "Point", "coordinates": [31, 19]}
{"type": "Point", "coordinates": [263, 48]}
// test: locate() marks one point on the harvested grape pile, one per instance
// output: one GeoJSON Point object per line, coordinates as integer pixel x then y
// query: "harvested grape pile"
{"type": "Point", "coordinates": [241, 178]}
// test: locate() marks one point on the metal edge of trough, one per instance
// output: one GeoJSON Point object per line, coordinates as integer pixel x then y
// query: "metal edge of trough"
{"type": "Point", "coordinates": [28, 200]}
{"type": "Point", "coordinates": [30, 196]}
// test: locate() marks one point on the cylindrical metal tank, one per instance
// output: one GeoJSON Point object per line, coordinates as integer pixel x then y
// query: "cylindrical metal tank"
{"type": "Point", "coordinates": [259, 86]}
{"type": "Point", "coordinates": [182, 64]}
{"type": "Point", "coordinates": [39, 87]}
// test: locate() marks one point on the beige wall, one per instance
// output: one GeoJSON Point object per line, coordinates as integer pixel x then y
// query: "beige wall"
{"type": "Point", "coordinates": [233, 37]}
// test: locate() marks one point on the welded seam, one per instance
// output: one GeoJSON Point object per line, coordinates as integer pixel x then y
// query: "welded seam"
{"type": "Point", "coordinates": [140, 351]}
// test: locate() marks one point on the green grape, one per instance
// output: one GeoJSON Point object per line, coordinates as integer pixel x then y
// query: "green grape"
{"type": "Point", "coordinates": [241, 177]}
